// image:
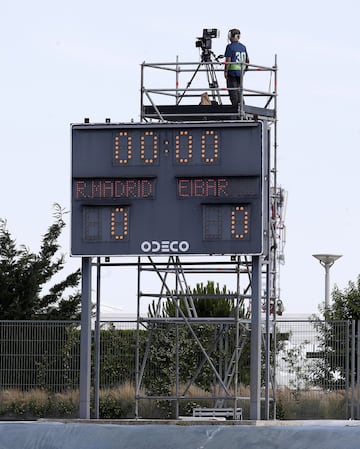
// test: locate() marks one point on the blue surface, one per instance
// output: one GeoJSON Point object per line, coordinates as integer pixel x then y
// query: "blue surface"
{"type": "Point", "coordinates": [56, 435]}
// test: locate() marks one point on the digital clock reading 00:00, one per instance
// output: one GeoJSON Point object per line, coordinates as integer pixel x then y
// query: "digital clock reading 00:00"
{"type": "Point", "coordinates": [142, 148]}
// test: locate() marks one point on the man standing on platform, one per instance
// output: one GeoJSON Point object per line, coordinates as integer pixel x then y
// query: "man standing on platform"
{"type": "Point", "coordinates": [236, 57]}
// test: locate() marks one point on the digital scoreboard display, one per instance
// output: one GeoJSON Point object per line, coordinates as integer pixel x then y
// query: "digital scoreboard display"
{"type": "Point", "coordinates": [168, 188]}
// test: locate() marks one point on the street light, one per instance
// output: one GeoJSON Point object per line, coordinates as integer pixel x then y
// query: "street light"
{"type": "Point", "coordinates": [327, 261]}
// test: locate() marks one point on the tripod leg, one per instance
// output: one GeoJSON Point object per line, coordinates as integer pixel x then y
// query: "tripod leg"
{"type": "Point", "coordinates": [213, 84]}
{"type": "Point", "coordinates": [188, 84]}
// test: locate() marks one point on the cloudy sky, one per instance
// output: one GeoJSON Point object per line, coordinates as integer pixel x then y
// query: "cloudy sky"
{"type": "Point", "coordinates": [64, 61]}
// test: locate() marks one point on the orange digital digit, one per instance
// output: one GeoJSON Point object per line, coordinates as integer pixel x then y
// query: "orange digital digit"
{"type": "Point", "coordinates": [210, 147]}
{"type": "Point", "coordinates": [122, 148]}
{"type": "Point", "coordinates": [183, 147]}
{"type": "Point", "coordinates": [149, 147]}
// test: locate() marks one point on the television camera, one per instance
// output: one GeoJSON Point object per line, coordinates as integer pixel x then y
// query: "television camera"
{"type": "Point", "coordinates": [205, 43]}
{"type": "Point", "coordinates": [206, 63]}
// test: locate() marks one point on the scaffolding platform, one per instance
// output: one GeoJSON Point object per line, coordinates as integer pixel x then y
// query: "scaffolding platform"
{"type": "Point", "coordinates": [205, 112]}
{"type": "Point", "coordinates": [180, 87]}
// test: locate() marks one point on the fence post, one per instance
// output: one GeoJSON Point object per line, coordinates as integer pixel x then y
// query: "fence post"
{"type": "Point", "coordinates": [85, 339]}
{"type": "Point", "coordinates": [353, 349]}
{"type": "Point", "coordinates": [97, 341]}
{"type": "Point", "coordinates": [347, 366]}
{"type": "Point", "coordinates": [358, 371]}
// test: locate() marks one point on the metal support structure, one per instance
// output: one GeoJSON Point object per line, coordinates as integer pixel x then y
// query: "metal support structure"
{"type": "Point", "coordinates": [226, 375]}
{"type": "Point", "coordinates": [97, 340]}
{"type": "Point", "coordinates": [267, 346]}
{"type": "Point", "coordinates": [85, 339]}
{"type": "Point", "coordinates": [353, 368]}
{"type": "Point", "coordinates": [255, 357]}
{"type": "Point", "coordinates": [358, 370]}
{"type": "Point", "coordinates": [253, 272]}
{"type": "Point", "coordinates": [237, 337]}
{"type": "Point", "coordinates": [347, 367]}
{"type": "Point", "coordinates": [261, 272]}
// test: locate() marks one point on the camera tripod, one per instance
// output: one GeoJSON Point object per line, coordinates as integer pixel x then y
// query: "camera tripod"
{"type": "Point", "coordinates": [208, 63]}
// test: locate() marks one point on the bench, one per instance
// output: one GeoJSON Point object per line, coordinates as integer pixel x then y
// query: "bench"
{"type": "Point", "coordinates": [228, 413]}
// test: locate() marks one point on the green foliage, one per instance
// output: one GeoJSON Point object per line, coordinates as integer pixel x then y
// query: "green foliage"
{"type": "Point", "coordinates": [334, 347]}
{"type": "Point", "coordinates": [110, 406]}
{"type": "Point", "coordinates": [64, 406]}
{"type": "Point", "coordinates": [334, 335]}
{"type": "Point", "coordinates": [299, 367]}
{"type": "Point", "coordinates": [118, 349]}
{"type": "Point", "coordinates": [24, 274]}
{"type": "Point", "coordinates": [346, 304]}
{"type": "Point", "coordinates": [69, 349]}
{"type": "Point", "coordinates": [38, 404]}
{"type": "Point", "coordinates": [209, 300]}
{"type": "Point", "coordinates": [328, 366]}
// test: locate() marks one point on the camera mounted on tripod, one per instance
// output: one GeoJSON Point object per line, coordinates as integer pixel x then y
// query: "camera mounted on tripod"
{"type": "Point", "coordinates": [205, 42]}
{"type": "Point", "coordinates": [206, 64]}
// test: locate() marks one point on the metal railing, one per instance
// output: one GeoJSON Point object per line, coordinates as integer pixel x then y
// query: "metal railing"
{"type": "Point", "coordinates": [180, 84]}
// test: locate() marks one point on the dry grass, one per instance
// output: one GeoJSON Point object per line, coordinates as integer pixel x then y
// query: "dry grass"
{"type": "Point", "coordinates": [124, 391]}
{"type": "Point", "coordinates": [311, 404]}
{"type": "Point", "coordinates": [38, 403]}
{"type": "Point", "coordinates": [119, 402]}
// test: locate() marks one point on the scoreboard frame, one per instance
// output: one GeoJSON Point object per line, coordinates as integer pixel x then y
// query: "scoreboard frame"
{"type": "Point", "coordinates": [194, 188]}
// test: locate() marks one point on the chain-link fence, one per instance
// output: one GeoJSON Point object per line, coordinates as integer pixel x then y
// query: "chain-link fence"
{"type": "Point", "coordinates": [314, 364]}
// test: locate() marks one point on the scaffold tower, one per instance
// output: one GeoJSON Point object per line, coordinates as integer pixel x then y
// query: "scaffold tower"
{"type": "Point", "coordinates": [189, 92]}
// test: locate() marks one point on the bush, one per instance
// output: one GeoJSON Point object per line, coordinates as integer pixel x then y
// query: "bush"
{"type": "Point", "coordinates": [35, 404]}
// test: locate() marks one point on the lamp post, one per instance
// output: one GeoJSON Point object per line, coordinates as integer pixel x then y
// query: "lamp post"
{"type": "Point", "coordinates": [327, 261]}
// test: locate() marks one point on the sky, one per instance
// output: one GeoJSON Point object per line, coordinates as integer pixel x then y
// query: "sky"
{"type": "Point", "coordinates": [64, 61]}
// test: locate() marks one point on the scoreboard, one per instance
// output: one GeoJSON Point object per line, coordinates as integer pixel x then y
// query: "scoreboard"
{"type": "Point", "coordinates": [168, 188]}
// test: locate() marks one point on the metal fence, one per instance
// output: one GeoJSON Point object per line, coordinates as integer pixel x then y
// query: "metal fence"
{"type": "Point", "coordinates": [39, 355]}
{"type": "Point", "coordinates": [314, 363]}
{"type": "Point", "coordinates": [317, 369]}
{"type": "Point", "coordinates": [117, 353]}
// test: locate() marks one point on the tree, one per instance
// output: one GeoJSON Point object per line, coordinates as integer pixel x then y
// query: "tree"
{"type": "Point", "coordinates": [330, 366]}
{"type": "Point", "coordinates": [209, 301]}
{"type": "Point", "coordinates": [346, 304]}
{"type": "Point", "coordinates": [24, 274]}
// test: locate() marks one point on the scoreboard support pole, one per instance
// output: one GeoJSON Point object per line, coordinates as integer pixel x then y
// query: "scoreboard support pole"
{"type": "Point", "coordinates": [85, 339]}
{"type": "Point", "coordinates": [255, 342]}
